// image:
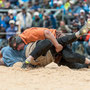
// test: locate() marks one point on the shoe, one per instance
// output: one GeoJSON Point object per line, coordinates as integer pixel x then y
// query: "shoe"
{"type": "Point", "coordinates": [83, 30]}
{"type": "Point", "coordinates": [25, 65]}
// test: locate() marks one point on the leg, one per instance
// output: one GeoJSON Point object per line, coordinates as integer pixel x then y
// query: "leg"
{"type": "Point", "coordinates": [68, 39]}
{"type": "Point", "coordinates": [70, 56]}
{"type": "Point", "coordinates": [73, 65]}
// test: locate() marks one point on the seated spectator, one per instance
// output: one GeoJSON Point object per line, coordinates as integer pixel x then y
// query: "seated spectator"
{"type": "Point", "coordinates": [8, 5]}
{"type": "Point", "coordinates": [10, 31]}
{"type": "Point", "coordinates": [86, 7]}
{"type": "Point", "coordinates": [46, 5]}
{"type": "Point", "coordinates": [77, 9]}
{"type": "Point", "coordinates": [82, 13]}
{"type": "Point", "coordinates": [3, 41]}
{"type": "Point", "coordinates": [35, 6]}
{"type": "Point", "coordinates": [64, 28]}
{"type": "Point", "coordinates": [81, 22]}
{"type": "Point", "coordinates": [13, 3]}
{"type": "Point", "coordinates": [9, 17]}
{"type": "Point", "coordinates": [29, 4]}
{"type": "Point", "coordinates": [61, 6]}
{"type": "Point", "coordinates": [54, 4]}
{"type": "Point", "coordinates": [37, 22]}
{"type": "Point", "coordinates": [2, 21]}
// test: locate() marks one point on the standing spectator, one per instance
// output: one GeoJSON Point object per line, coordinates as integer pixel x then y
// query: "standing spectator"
{"type": "Point", "coordinates": [10, 31]}
{"type": "Point", "coordinates": [25, 19]}
{"type": "Point", "coordinates": [37, 22]}
{"type": "Point", "coordinates": [53, 20]}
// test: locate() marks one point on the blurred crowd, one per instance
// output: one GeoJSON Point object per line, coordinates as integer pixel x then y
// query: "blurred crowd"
{"type": "Point", "coordinates": [72, 15]}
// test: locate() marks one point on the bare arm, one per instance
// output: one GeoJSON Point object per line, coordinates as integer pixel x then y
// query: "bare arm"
{"type": "Point", "coordinates": [51, 37]}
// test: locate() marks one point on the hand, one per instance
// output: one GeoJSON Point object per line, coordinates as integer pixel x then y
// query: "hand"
{"type": "Point", "coordinates": [59, 48]}
{"type": "Point", "coordinates": [88, 43]}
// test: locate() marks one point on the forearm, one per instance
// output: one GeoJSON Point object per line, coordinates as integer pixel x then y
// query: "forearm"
{"type": "Point", "coordinates": [51, 37]}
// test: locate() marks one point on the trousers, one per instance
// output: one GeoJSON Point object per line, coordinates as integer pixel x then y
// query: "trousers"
{"type": "Point", "coordinates": [43, 46]}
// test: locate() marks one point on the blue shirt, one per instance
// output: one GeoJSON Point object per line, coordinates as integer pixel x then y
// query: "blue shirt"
{"type": "Point", "coordinates": [10, 32]}
{"type": "Point", "coordinates": [11, 56]}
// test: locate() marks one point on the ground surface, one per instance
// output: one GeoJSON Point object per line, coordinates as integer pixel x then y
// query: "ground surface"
{"type": "Point", "coordinates": [51, 77]}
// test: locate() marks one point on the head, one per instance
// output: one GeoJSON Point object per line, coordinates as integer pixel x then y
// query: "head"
{"type": "Point", "coordinates": [36, 14]}
{"type": "Point", "coordinates": [62, 23]}
{"type": "Point", "coordinates": [12, 23]}
{"type": "Point", "coordinates": [82, 20]}
{"type": "Point", "coordinates": [16, 43]}
{"type": "Point", "coordinates": [82, 12]}
{"type": "Point", "coordinates": [23, 10]}
{"type": "Point", "coordinates": [59, 3]}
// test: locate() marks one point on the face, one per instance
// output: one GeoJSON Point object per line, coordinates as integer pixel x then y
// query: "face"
{"type": "Point", "coordinates": [20, 46]}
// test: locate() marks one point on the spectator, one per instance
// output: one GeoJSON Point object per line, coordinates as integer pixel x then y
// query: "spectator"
{"type": "Point", "coordinates": [64, 28]}
{"type": "Point", "coordinates": [35, 6]}
{"type": "Point", "coordinates": [37, 22]}
{"type": "Point", "coordinates": [67, 5]}
{"type": "Point", "coordinates": [25, 19]}
{"type": "Point", "coordinates": [8, 5]}
{"type": "Point", "coordinates": [9, 17]}
{"type": "Point", "coordinates": [46, 21]}
{"type": "Point", "coordinates": [82, 13]}
{"type": "Point", "coordinates": [13, 3]}
{"type": "Point", "coordinates": [3, 22]}
{"type": "Point", "coordinates": [10, 31]}
{"type": "Point", "coordinates": [53, 21]}
{"type": "Point", "coordinates": [54, 4]}
{"type": "Point", "coordinates": [68, 17]}
{"type": "Point", "coordinates": [46, 5]}
{"type": "Point", "coordinates": [61, 6]}
{"type": "Point", "coordinates": [77, 9]}
{"type": "Point", "coordinates": [81, 22]}
{"type": "Point", "coordinates": [3, 41]}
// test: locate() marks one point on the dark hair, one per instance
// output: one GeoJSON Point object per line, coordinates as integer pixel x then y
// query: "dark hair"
{"type": "Point", "coordinates": [15, 39]}
{"type": "Point", "coordinates": [11, 41]}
